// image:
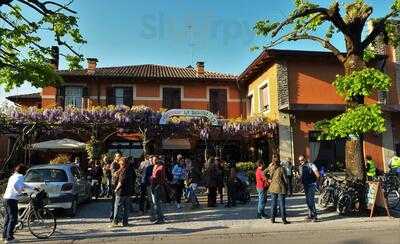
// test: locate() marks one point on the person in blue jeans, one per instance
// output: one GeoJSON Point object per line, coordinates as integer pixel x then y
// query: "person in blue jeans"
{"type": "Point", "coordinates": [261, 185]}
{"type": "Point", "coordinates": [122, 193]}
{"type": "Point", "coordinates": [15, 186]}
{"type": "Point", "coordinates": [277, 190]}
{"type": "Point", "coordinates": [309, 176]}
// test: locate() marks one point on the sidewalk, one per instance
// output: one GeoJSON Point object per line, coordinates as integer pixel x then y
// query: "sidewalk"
{"type": "Point", "coordinates": [91, 224]}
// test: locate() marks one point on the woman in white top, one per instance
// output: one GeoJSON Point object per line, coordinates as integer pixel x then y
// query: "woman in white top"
{"type": "Point", "coordinates": [14, 188]}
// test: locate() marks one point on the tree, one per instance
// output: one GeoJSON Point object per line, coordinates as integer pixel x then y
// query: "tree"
{"type": "Point", "coordinates": [359, 81]}
{"type": "Point", "coordinates": [23, 56]}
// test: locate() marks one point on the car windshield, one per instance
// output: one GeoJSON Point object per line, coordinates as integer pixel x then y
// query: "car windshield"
{"type": "Point", "coordinates": [46, 175]}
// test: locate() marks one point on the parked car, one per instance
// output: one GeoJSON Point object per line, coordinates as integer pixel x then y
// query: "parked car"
{"type": "Point", "coordinates": [65, 185]}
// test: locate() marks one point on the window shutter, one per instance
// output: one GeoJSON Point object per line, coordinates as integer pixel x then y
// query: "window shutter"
{"type": "Point", "coordinates": [110, 96]}
{"type": "Point", "coordinates": [61, 96]}
{"type": "Point", "coordinates": [128, 96]}
{"type": "Point", "coordinates": [218, 102]}
{"type": "Point", "coordinates": [85, 91]}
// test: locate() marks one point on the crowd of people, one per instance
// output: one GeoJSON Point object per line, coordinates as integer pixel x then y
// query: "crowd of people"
{"type": "Point", "coordinates": [155, 181]}
{"type": "Point", "coordinates": [158, 181]}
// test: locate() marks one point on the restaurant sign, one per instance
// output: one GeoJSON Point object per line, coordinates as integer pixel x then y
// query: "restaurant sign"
{"type": "Point", "coordinates": [189, 113]}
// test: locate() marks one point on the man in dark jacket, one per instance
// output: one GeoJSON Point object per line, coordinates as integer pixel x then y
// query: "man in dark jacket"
{"type": "Point", "coordinates": [309, 176]}
{"type": "Point", "coordinates": [144, 202]}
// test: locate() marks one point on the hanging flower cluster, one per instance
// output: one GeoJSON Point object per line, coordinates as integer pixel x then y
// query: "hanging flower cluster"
{"type": "Point", "coordinates": [140, 117]}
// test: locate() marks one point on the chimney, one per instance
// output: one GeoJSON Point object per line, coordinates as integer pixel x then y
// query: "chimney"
{"type": "Point", "coordinates": [55, 57]}
{"type": "Point", "coordinates": [200, 68]}
{"type": "Point", "coordinates": [91, 65]}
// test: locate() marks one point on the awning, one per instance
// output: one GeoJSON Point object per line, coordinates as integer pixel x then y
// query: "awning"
{"type": "Point", "coordinates": [61, 144]}
{"type": "Point", "coordinates": [176, 144]}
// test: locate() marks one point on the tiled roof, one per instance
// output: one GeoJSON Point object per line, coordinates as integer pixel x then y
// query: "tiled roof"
{"type": "Point", "coordinates": [149, 71]}
{"type": "Point", "coordinates": [25, 96]}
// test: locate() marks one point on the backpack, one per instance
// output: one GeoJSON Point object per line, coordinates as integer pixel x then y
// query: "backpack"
{"type": "Point", "coordinates": [308, 176]}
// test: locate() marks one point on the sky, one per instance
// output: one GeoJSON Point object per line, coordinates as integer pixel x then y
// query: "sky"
{"type": "Point", "coordinates": [180, 32]}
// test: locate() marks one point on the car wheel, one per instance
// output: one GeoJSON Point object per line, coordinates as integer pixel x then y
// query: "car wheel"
{"type": "Point", "coordinates": [74, 208]}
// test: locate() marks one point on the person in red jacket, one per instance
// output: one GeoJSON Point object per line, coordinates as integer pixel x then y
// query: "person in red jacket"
{"type": "Point", "coordinates": [261, 185]}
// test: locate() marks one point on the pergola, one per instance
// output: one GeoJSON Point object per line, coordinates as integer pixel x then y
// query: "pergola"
{"type": "Point", "coordinates": [96, 125]}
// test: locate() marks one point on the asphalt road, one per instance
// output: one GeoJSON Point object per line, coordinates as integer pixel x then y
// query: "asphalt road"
{"type": "Point", "coordinates": [351, 236]}
{"type": "Point", "coordinates": [222, 225]}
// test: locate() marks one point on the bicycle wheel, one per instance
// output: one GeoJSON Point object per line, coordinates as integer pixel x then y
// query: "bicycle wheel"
{"type": "Point", "coordinates": [344, 204]}
{"type": "Point", "coordinates": [1, 219]}
{"type": "Point", "coordinates": [324, 198]}
{"type": "Point", "coordinates": [393, 198]}
{"type": "Point", "coordinates": [42, 223]}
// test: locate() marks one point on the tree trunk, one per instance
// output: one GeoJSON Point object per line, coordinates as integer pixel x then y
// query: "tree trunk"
{"type": "Point", "coordinates": [355, 167]}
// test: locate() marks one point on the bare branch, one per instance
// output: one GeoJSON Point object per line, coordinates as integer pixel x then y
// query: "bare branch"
{"type": "Point", "coordinates": [378, 28]}
{"type": "Point", "coordinates": [325, 43]}
{"type": "Point", "coordinates": [62, 7]}
{"type": "Point", "coordinates": [332, 14]}
{"type": "Point", "coordinates": [33, 6]}
{"type": "Point", "coordinates": [65, 44]}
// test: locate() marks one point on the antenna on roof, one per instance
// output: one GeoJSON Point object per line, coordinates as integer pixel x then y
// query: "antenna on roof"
{"type": "Point", "coordinates": [191, 42]}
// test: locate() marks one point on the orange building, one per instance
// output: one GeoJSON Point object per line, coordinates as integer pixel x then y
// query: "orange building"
{"type": "Point", "coordinates": [295, 88]}
{"type": "Point", "coordinates": [155, 86]}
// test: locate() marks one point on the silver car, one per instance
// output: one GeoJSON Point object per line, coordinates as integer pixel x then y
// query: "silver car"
{"type": "Point", "coordinates": [63, 183]}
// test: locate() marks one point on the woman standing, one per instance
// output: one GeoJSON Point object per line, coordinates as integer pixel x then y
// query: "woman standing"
{"type": "Point", "coordinates": [277, 190]}
{"type": "Point", "coordinates": [122, 193]}
{"type": "Point", "coordinates": [261, 185]}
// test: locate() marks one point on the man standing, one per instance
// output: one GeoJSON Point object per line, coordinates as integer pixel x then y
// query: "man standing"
{"type": "Point", "coordinates": [394, 165]}
{"type": "Point", "coordinates": [220, 179]}
{"type": "Point", "coordinates": [179, 175]}
{"type": "Point", "coordinates": [288, 168]}
{"type": "Point", "coordinates": [14, 188]}
{"type": "Point", "coordinates": [114, 169]}
{"type": "Point", "coordinates": [309, 176]}
{"type": "Point", "coordinates": [158, 180]}
{"type": "Point", "coordinates": [145, 184]}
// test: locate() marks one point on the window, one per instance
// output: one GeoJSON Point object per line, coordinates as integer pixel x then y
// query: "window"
{"type": "Point", "coordinates": [264, 98]}
{"type": "Point", "coordinates": [249, 105]}
{"type": "Point", "coordinates": [46, 175]}
{"type": "Point", "coordinates": [171, 97]}
{"type": "Point", "coordinates": [119, 96]}
{"type": "Point", "coordinates": [73, 96]}
{"type": "Point", "coordinates": [219, 102]}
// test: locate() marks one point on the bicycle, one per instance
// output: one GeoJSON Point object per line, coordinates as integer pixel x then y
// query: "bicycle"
{"type": "Point", "coordinates": [40, 220]}
{"type": "Point", "coordinates": [391, 189]}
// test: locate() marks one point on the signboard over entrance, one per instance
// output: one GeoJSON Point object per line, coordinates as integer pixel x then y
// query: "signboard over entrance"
{"type": "Point", "coordinates": [189, 113]}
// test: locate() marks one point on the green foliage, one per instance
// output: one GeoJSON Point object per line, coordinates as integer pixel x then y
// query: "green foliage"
{"type": "Point", "coordinates": [94, 149]}
{"type": "Point", "coordinates": [369, 54]}
{"type": "Point", "coordinates": [355, 121]}
{"type": "Point", "coordinates": [264, 27]}
{"type": "Point", "coordinates": [391, 34]}
{"type": "Point", "coordinates": [396, 5]}
{"type": "Point", "coordinates": [246, 166]}
{"type": "Point", "coordinates": [363, 82]}
{"type": "Point", "coordinates": [23, 56]}
{"type": "Point", "coordinates": [249, 168]}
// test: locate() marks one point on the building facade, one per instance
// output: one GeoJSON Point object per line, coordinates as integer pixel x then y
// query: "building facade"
{"type": "Point", "coordinates": [295, 89]}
